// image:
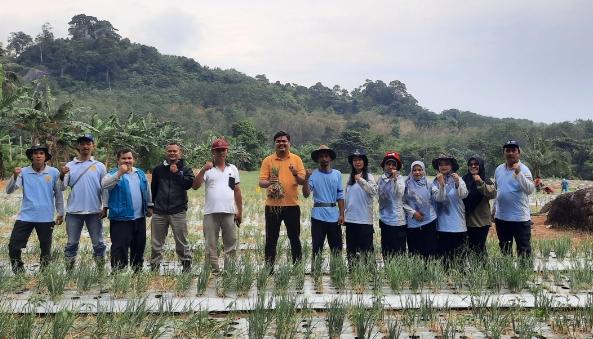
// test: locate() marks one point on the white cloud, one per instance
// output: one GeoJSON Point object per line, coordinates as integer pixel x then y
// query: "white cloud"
{"type": "Point", "coordinates": [527, 58]}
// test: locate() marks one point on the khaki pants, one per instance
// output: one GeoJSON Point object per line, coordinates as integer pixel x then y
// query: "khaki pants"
{"type": "Point", "coordinates": [213, 224]}
{"type": "Point", "coordinates": [160, 229]}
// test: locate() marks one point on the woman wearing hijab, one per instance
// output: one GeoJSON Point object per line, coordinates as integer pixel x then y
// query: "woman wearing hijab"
{"type": "Point", "coordinates": [451, 229]}
{"type": "Point", "coordinates": [392, 219]}
{"type": "Point", "coordinates": [422, 217]}
{"type": "Point", "coordinates": [477, 204]}
{"type": "Point", "coordinates": [360, 190]}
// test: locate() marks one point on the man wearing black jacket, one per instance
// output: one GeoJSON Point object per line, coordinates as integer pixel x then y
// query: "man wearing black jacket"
{"type": "Point", "coordinates": [170, 182]}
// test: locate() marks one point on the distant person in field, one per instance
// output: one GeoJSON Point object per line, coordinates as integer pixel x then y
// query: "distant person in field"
{"type": "Point", "coordinates": [477, 205]}
{"type": "Point", "coordinates": [169, 185]}
{"type": "Point", "coordinates": [452, 228]}
{"type": "Point", "coordinates": [223, 206]}
{"type": "Point", "coordinates": [286, 169]}
{"type": "Point", "coordinates": [361, 189]}
{"type": "Point", "coordinates": [326, 220]}
{"type": "Point", "coordinates": [85, 204]}
{"type": "Point", "coordinates": [41, 196]}
{"type": "Point", "coordinates": [419, 205]}
{"type": "Point", "coordinates": [564, 185]}
{"type": "Point", "coordinates": [392, 218]}
{"type": "Point", "coordinates": [129, 202]}
{"type": "Point", "coordinates": [514, 184]}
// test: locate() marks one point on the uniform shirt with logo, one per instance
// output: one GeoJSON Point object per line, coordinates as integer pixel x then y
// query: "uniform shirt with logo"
{"type": "Point", "coordinates": [85, 196]}
{"type": "Point", "coordinates": [41, 194]}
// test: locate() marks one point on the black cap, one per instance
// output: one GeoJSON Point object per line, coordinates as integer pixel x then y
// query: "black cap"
{"type": "Point", "coordinates": [359, 152]}
{"type": "Point", "coordinates": [86, 137]}
{"type": "Point", "coordinates": [511, 143]}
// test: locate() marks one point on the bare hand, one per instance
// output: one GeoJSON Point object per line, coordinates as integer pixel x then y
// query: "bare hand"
{"type": "Point", "coordinates": [59, 219]}
{"type": "Point", "coordinates": [123, 169]}
{"type": "Point", "coordinates": [103, 214]}
{"type": "Point", "coordinates": [455, 177]}
{"type": "Point", "coordinates": [65, 170]}
{"type": "Point", "coordinates": [357, 177]}
{"type": "Point", "coordinates": [149, 212]}
{"type": "Point", "coordinates": [441, 179]}
{"type": "Point", "coordinates": [208, 165]}
{"type": "Point", "coordinates": [394, 173]}
{"type": "Point", "coordinates": [341, 219]}
{"type": "Point", "coordinates": [173, 168]}
{"type": "Point", "coordinates": [517, 168]}
{"type": "Point", "coordinates": [16, 172]}
{"type": "Point", "coordinates": [238, 219]}
{"type": "Point", "coordinates": [418, 216]}
{"type": "Point", "coordinates": [308, 174]}
{"type": "Point", "coordinates": [293, 170]}
{"type": "Point", "coordinates": [477, 178]}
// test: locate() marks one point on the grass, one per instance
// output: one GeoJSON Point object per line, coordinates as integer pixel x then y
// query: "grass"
{"type": "Point", "coordinates": [247, 277]}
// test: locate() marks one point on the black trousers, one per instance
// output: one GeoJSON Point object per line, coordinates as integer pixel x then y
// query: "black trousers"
{"type": "Point", "coordinates": [476, 240]}
{"type": "Point", "coordinates": [321, 230]}
{"type": "Point", "coordinates": [422, 241]}
{"type": "Point", "coordinates": [128, 240]}
{"type": "Point", "coordinates": [359, 240]}
{"type": "Point", "coordinates": [20, 236]}
{"type": "Point", "coordinates": [393, 240]}
{"type": "Point", "coordinates": [520, 231]}
{"type": "Point", "coordinates": [451, 246]}
{"type": "Point", "coordinates": [291, 215]}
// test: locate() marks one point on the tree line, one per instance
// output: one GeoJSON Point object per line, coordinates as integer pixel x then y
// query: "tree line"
{"type": "Point", "coordinates": [92, 80]}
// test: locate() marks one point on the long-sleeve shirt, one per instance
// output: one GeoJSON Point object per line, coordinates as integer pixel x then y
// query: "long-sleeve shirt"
{"type": "Point", "coordinates": [41, 194]}
{"type": "Point", "coordinates": [111, 180]}
{"type": "Point", "coordinates": [391, 205]}
{"type": "Point", "coordinates": [359, 201]}
{"type": "Point", "coordinates": [513, 190]}
{"type": "Point", "coordinates": [450, 207]}
{"type": "Point", "coordinates": [481, 215]}
{"type": "Point", "coordinates": [422, 202]}
{"type": "Point", "coordinates": [86, 194]}
{"type": "Point", "coordinates": [326, 188]}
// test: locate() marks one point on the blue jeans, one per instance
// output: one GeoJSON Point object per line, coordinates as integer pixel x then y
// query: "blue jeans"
{"type": "Point", "coordinates": [94, 225]}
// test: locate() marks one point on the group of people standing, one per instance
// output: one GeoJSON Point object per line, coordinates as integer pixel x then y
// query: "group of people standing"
{"type": "Point", "coordinates": [445, 218]}
{"type": "Point", "coordinates": [423, 218]}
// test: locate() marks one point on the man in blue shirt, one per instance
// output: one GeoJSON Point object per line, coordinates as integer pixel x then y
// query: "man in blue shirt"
{"type": "Point", "coordinates": [83, 175]}
{"type": "Point", "coordinates": [129, 201]}
{"type": "Point", "coordinates": [41, 194]}
{"type": "Point", "coordinates": [326, 185]}
{"type": "Point", "coordinates": [514, 184]}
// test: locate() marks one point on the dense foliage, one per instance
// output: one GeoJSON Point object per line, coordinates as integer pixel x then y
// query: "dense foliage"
{"type": "Point", "coordinates": [94, 78]}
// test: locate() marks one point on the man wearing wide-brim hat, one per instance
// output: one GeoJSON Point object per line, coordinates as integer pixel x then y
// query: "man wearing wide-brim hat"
{"type": "Point", "coordinates": [514, 184]}
{"type": "Point", "coordinates": [41, 196]}
{"type": "Point", "coordinates": [326, 185]}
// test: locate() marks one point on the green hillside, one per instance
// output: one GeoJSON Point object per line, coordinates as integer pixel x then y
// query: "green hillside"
{"type": "Point", "coordinates": [105, 76]}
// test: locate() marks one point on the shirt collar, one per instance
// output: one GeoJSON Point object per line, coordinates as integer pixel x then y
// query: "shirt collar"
{"type": "Point", "coordinates": [44, 171]}
{"type": "Point", "coordinates": [79, 161]}
{"type": "Point", "coordinates": [278, 158]}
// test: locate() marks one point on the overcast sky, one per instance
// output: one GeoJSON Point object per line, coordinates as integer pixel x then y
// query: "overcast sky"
{"type": "Point", "coordinates": [526, 59]}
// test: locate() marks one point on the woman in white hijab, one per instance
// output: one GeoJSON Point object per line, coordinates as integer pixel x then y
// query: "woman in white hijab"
{"type": "Point", "coordinates": [420, 211]}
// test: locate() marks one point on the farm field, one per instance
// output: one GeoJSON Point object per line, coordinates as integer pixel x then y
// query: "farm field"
{"type": "Point", "coordinates": [550, 297]}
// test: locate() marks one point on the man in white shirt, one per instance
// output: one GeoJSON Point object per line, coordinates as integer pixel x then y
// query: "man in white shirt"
{"type": "Point", "coordinates": [223, 206]}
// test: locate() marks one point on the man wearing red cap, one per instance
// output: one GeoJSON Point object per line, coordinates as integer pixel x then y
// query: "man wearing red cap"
{"type": "Point", "coordinates": [223, 203]}
{"type": "Point", "coordinates": [170, 182]}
